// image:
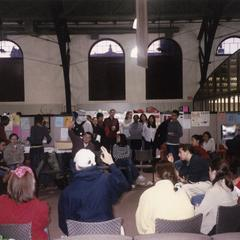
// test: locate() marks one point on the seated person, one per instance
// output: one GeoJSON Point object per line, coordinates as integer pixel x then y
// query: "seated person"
{"type": "Point", "coordinates": [193, 167]}
{"type": "Point", "coordinates": [220, 194]}
{"type": "Point", "coordinates": [91, 194]}
{"type": "Point", "coordinates": [14, 152]}
{"type": "Point", "coordinates": [208, 143]}
{"type": "Point", "coordinates": [162, 201]}
{"type": "Point", "coordinates": [20, 205]}
{"type": "Point", "coordinates": [122, 156]}
{"type": "Point", "coordinates": [197, 147]}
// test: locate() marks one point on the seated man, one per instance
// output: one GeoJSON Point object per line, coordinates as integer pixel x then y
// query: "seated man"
{"type": "Point", "coordinates": [91, 194]}
{"type": "Point", "coordinates": [193, 168]}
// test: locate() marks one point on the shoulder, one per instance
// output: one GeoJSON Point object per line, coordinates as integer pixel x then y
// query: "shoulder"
{"type": "Point", "coordinates": [41, 205]}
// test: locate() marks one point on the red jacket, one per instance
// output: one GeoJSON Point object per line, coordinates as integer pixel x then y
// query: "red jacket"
{"type": "Point", "coordinates": [34, 211]}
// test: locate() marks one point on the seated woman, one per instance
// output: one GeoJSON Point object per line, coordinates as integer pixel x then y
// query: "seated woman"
{"type": "Point", "coordinates": [14, 152]}
{"type": "Point", "coordinates": [220, 194]}
{"type": "Point", "coordinates": [20, 206]}
{"type": "Point", "coordinates": [122, 156]}
{"type": "Point", "coordinates": [197, 147]}
{"type": "Point", "coordinates": [208, 142]}
{"type": "Point", "coordinates": [162, 201]}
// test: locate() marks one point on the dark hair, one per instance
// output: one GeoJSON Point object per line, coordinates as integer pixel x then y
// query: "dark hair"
{"type": "Point", "coordinates": [21, 189]}
{"type": "Point", "coordinates": [143, 114]}
{"type": "Point", "coordinates": [99, 114]}
{"type": "Point", "coordinates": [223, 172]}
{"type": "Point", "coordinates": [207, 133]}
{"type": "Point", "coordinates": [13, 135]}
{"type": "Point", "coordinates": [88, 133]}
{"type": "Point", "coordinates": [123, 140]}
{"type": "Point", "coordinates": [186, 147]}
{"type": "Point", "coordinates": [167, 171]}
{"type": "Point", "coordinates": [198, 138]}
{"type": "Point", "coordinates": [5, 120]}
{"type": "Point", "coordinates": [153, 125]}
{"type": "Point", "coordinates": [176, 112]}
{"type": "Point", "coordinates": [38, 119]}
{"type": "Point", "coordinates": [127, 114]}
{"type": "Point", "coordinates": [136, 116]}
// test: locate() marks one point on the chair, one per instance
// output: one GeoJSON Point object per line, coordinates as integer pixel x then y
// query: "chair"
{"type": "Point", "coordinates": [107, 227]}
{"type": "Point", "coordinates": [145, 159]}
{"type": "Point", "coordinates": [190, 225]}
{"type": "Point", "coordinates": [228, 219]}
{"type": "Point", "coordinates": [172, 236]}
{"type": "Point", "coordinates": [227, 236]}
{"type": "Point", "coordinates": [16, 231]}
{"type": "Point", "coordinates": [98, 237]}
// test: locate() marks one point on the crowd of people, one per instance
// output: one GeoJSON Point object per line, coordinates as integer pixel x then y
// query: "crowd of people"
{"type": "Point", "coordinates": [189, 176]}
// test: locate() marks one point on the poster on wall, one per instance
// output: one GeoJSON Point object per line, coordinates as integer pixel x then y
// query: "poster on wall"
{"type": "Point", "coordinates": [231, 118]}
{"type": "Point", "coordinates": [200, 119]}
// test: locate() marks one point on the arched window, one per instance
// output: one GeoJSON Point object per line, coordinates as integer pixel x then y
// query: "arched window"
{"type": "Point", "coordinates": [164, 72]}
{"type": "Point", "coordinates": [106, 71]}
{"type": "Point", "coordinates": [228, 46]}
{"type": "Point", "coordinates": [11, 72]}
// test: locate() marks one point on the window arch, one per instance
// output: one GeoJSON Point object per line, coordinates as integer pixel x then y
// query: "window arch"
{"type": "Point", "coordinates": [106, 66]}
{"type": "Point", "coordinates": [11, 72]}
{"type": "Point", "coordinates": [228, 46]}
{"type": "Point", "coordinates": [164, 72]}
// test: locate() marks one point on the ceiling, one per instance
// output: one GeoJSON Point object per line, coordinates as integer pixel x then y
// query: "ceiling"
{"type": "Point", "coordinates": [37, 17]}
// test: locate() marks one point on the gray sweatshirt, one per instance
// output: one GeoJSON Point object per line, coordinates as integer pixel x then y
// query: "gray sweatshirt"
{"type": "Point", "coordinates": [174, 132]}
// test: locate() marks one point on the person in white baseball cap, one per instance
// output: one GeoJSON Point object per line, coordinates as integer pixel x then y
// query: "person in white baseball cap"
{"type": "Point", "coordinates": [92, 192]}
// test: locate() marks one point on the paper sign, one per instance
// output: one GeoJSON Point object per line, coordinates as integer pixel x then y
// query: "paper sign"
{"type": "Point", "coordinates": [59, 121]}
{"type": "Point", "coordinates": [25, 123]}
{"type": "Point", "coordinates": [64, 134]}
{"type": "Point", "coordinates": [67, 121]}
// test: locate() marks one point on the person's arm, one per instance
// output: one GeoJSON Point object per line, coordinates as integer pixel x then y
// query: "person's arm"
{"type": "Point", "coordinates": [180, 131]}
{"type": "Point", "coordinates": [117, 126]}
{"type": "Point", "coordinates": [116, 180]}
{"type": "Point", "coordinates": [7, 154]}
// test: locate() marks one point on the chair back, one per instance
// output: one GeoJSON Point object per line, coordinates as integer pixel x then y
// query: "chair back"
{"type": "Point", "coordinates": [190, 225]}
{"type": "Point", "coordinates": [16, 231]}
{"type": "Point", "coordinates": [96, 237]}
{"type": "Point", "coordinates": [172, 236]}
{"type": "Point", "coordinates": [107, 227]}
{"type": "Point", "coordinates": [143, 156]}
{"type": "Point", "coordinates": [228, 219]}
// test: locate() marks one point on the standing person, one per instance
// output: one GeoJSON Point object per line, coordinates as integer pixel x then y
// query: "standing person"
{"type": "Point", "coordinates": [162, 201]}
{"type": "Point", "coordinates": [111, 128]}
{"type": "Point", "coordinates": [100, 129]}
{"type": "Point", "coordinates": [4, 121]}
{"type": "Point", "coordinates": [91, 194]}
{"type": "Point", "coordinates": [14, 152]}
{"type": "Point", "coordinates": [38, 133]}
{"type": "Point", "coordinates": [87, 125]}
{"type": "Point", "coordinates": [124, 127]}
{"type": "Point", "coordinates": [148, 133]}
{"type": "Point", "coordinates": [174, 133]}
{"type": "Point", "coordinates": [143, 119]}
{"type": "Point", "coordinates": [208, 142]}
{"type": "Point", "coordinates": [135, 131]}
{"type": "Point", "coordinates": [21, 206]}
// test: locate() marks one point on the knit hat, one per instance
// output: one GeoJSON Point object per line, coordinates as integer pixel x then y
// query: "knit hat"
{"type": "Point", "coordinates": [84, 158]}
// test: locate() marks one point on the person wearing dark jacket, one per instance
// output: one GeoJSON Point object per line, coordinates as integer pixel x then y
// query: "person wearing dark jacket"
{"type": "Point", "coordinates": [38, 133]}
{"type": "Point", "coordinates": [193, 168]}
{"type": "Point", "coordinates": [4, 121]}
{"type": "Point", "coordinates": [174, 133]}
{"type": "Point", "coordinates": [91, 194]}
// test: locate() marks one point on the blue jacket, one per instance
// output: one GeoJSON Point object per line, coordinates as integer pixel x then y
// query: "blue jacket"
{"type": "Point", "coordinates": [90, 196]}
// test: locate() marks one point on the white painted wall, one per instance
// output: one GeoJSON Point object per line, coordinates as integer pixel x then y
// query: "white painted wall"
{"type": "Point", "coordinates": [44, 84]}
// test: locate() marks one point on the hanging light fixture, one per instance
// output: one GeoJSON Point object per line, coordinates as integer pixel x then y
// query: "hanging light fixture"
{"type": "Point", "coordinates": [134, 26]}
